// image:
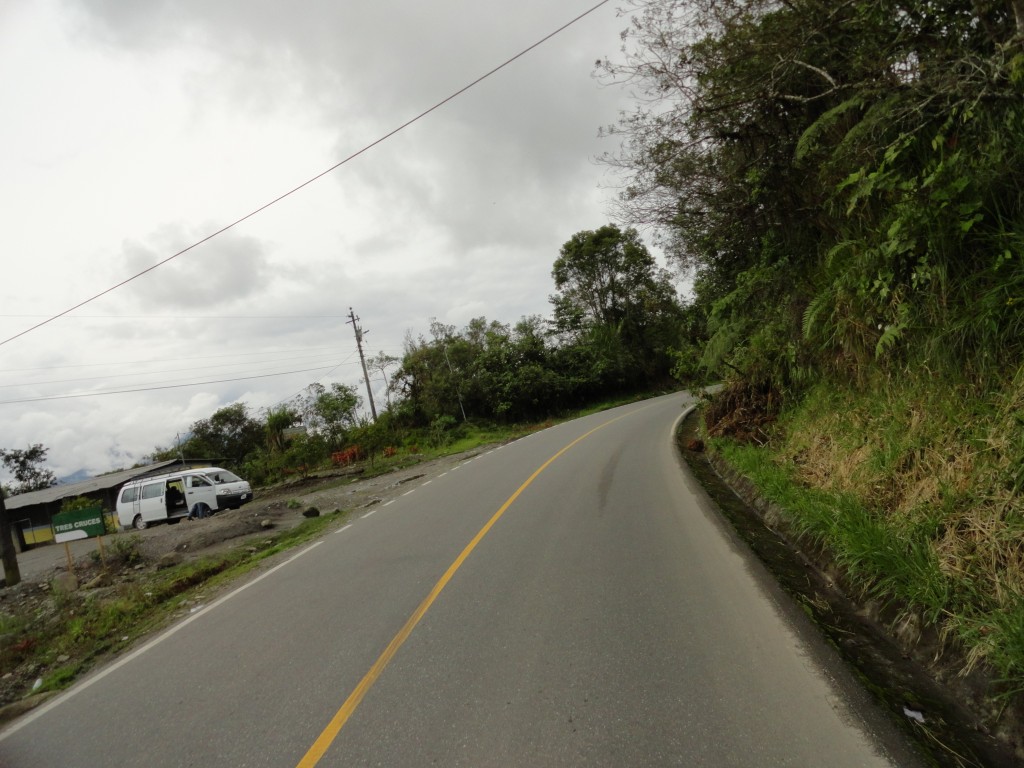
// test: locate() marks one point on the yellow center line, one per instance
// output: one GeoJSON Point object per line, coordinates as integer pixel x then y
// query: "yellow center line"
{"type": "Point", "coordinates": [330, 733]}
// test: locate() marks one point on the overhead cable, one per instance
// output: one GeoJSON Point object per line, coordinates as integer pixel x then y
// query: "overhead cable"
{"type": "Point", "coordinates": [151, 389]}
{"type": "Point", "coordinates": [306, 183]}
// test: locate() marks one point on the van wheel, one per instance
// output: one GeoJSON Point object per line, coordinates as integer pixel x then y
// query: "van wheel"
{"type": "Point", "coordinates": [201, 510]}
{"type": "Point", "coordinates": [139, 523]}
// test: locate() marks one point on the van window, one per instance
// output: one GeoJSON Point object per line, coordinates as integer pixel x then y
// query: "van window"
{"type": "Point", "coordinates": [198, 482]}
{"type": "Point", "coordinates": [128, 495]}
{"type": "Point", "coordinates": [152, 491]}
{"type": "Point", "coordinates": [226, 477]}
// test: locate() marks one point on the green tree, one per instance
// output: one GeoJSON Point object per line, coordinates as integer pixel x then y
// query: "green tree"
{"type": "Point", "coordinates": [432, 375]}
{"type": "Point", "coordinates": [374, 436]}
{"type": "Point", "coordinates": [512, 376]}
{"type": "Point", "coordinates": [278, 420]}
{"type": "Point", "coordinates": [8, 554]}
{"type": "Point", "coordinates": [612, 296]}
{"type": "Point", "coordinates": [382, 363]}
{"type": "Point", "coordinates": [305, 453]}
{"type": "Point", "coordinates": [24, 465]}
{"type": "Point", "coordinates": [230, 434]}
{"type": "Point", "coordinates": [331, 412]}
{"type": "Point", "coordinates": [485, 371]}
{"type": "Point", "coordinates": [840, 180]}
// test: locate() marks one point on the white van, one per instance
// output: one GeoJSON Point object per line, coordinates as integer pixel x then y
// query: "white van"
{"type": "Point", "coordinates": [175, 495]}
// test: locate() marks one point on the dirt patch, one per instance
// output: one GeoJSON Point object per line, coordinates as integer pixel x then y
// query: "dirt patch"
{"type": "Point", "coordinates": [743, 412]}
{"type": "Point", "coordinates": [285, 506]}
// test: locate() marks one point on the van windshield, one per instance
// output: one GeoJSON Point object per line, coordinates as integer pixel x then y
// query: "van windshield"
{"type": "Point", "coordinates": [223, 476]}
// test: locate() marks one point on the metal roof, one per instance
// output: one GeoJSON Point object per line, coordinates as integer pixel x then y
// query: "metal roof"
{"type": "Point", "coordinates": [101, 483]}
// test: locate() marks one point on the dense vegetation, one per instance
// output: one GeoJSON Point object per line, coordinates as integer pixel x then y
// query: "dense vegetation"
{"type": "Point", "coordinates": [615, 318]}
{"type": "Point", "coordinates": [844, 180]}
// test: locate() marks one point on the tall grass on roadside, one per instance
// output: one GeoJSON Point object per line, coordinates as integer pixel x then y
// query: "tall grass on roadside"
{"type": "Point", "coordinates": [875, 563]}
{"type": "Point", "coordinates": [914, 487]}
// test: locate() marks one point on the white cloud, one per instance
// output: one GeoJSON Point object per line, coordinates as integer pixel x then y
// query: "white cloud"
{"type": "Point", "coordinates": [147, 126]}
{"type": "Point", "coordinates": [221, 273]}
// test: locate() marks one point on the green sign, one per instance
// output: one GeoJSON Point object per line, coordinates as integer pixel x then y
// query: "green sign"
{"type": "Point", "coordinates": [80, 524]}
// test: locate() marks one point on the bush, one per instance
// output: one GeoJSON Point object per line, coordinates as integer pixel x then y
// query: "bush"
{"type": "Point", "coordinates": [443, 430]}
{"type": "Point", "coordinates": [125, 550]}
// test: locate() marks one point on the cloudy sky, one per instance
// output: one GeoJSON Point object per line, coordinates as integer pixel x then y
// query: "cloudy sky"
{"type": "Point", "coordinates": [132, 130]}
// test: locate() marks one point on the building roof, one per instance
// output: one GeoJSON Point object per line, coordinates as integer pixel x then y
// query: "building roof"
{"type": "Point", "coordinates": [101, 483]}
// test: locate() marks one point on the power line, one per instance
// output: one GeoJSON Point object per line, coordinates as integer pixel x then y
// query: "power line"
{"type": "Point", "coordinates": [152, 389]}
{"type": "Point", "coordinates": [164, 359]}
{"type": "Point", "coordinates": [161, 372]}
{"type": "Point", "coordinates": [186, 316]}
{"type": "Point", "coordinates": [320, 175]}
{"type": "Point", "coordinates": [307, 386]}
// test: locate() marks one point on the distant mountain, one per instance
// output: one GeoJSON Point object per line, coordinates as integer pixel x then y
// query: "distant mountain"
{"type": "Point", "coordinates": [77, 477]}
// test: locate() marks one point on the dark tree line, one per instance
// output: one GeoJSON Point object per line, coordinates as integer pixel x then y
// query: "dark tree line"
{"type": "Point", "coordinates": [842, 179]}
{"type": "Point", "coordinates": [615, 326]}
{"type": "Point", "coordinates": [615, 323]}
{"type": "Point", "coordinates": [616, 319]}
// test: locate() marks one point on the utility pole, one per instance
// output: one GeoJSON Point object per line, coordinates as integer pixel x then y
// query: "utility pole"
{"type": "Point", "coordinates": [359, 345]}
{"type": "Point", "coordinates": [458, 389]}
{"type": "Point", "coordinates": [444, 349]}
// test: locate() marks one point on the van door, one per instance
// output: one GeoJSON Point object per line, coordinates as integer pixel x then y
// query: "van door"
{"type": "Point", "coordinates": [199, 490]}
{"type": "Point", "coordinates": [151, 502]}
{"type": "Point", "coordinates": [128, 505]}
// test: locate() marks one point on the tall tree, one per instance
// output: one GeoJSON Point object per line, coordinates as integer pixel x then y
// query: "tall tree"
{"type": "Point", "coordinates": [431, 375]}
{"type": "Point", "coordinates": [331, 412]}
{"type": "Point", "coordinates": [230, 433]}
{"type": "Point", "coordinates": [277, 421]}
{"type": "Point", "coordinates": [841, 178]}
{"type": "Point", "coordinates": [9, 556]}
{"type": "Point", "coordinates": [612, 293]}
{"type": "Point", "coordinates": [24, 465]}
{"type": "Point", "coordinates": [382, 363]}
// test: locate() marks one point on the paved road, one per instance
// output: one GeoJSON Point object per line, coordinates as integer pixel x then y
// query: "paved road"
{"type": "Point", "coordinates": [531, 607]}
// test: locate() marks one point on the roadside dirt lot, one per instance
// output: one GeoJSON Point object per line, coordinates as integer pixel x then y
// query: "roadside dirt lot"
{"type": "Point", "coordinates": [272, 509]}
{"type": "Point", "coordinates": [42, 596]}
{"type": "Point", "coordinates": [282, 507]}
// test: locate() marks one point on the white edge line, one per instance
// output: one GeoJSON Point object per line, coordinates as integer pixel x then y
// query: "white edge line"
{"type": "Point", "coordinates": [42, 710]}
{"type": "Point", "coordinates": [371, 512]}
{"type": "Point", "coordinates": [428, 482]}
{"type": "Point", "coordinates": [442, 474]}
{"type": "Point", "coordinates": [342, 530]}
{"type": "Point", "coordinates": [408, 492]}
{"type": "Point", "coordinates": [389, 503]}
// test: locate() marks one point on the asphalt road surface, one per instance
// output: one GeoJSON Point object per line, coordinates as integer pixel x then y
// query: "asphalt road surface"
{"type": "Point", "coordinates": [569, 599]}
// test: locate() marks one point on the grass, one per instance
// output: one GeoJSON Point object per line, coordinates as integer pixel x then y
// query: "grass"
{"type": "Point", "coordinates": [913, 489]}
